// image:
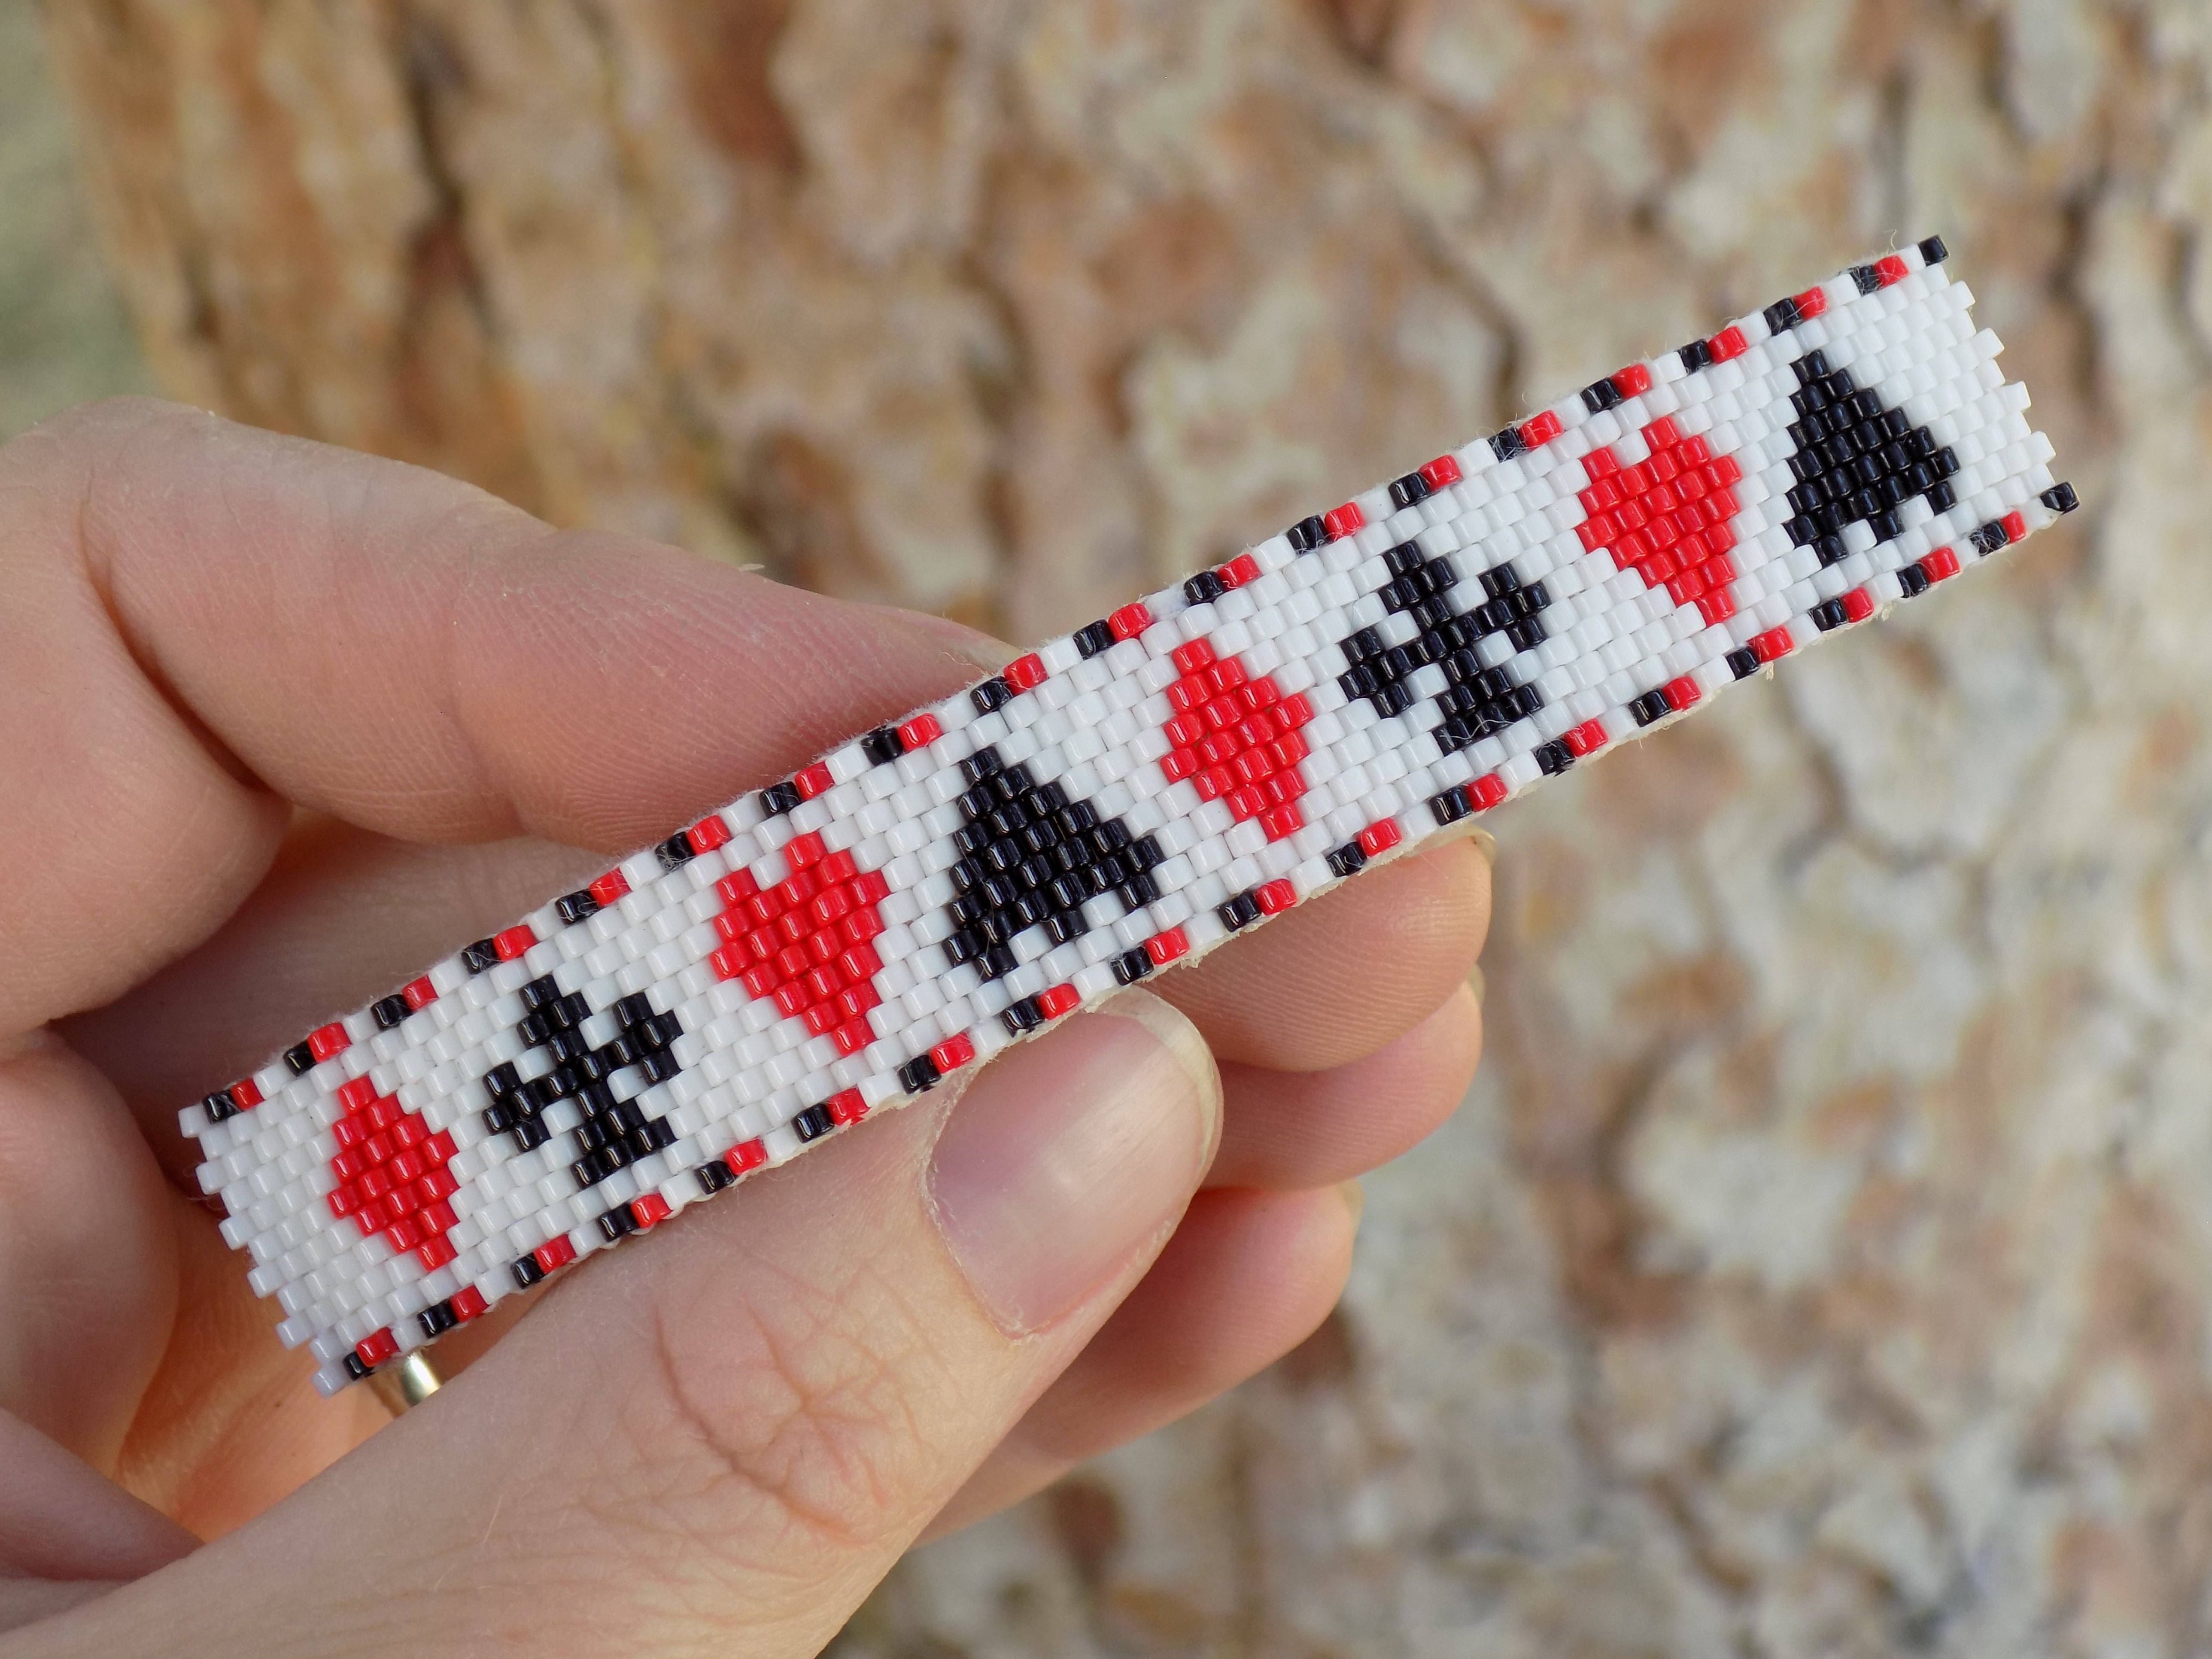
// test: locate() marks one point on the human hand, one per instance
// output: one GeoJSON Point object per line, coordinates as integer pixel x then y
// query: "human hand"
{"type": "Point", "coordinates": [282, 723]}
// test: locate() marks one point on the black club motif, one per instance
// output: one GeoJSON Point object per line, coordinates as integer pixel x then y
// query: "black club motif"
{"type": "Point", "coordinates": [614, 1133]}
{"type": "Point", "coordinates": [1476, 701]}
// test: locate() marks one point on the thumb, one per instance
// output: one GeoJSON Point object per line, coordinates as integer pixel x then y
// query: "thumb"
{"type": "Point", "coordinates": [738, 1426]}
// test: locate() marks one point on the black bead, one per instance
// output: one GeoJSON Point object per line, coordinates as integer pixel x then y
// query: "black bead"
{"type": "Point", "coordinates": [919, 1074]}
{"type": "Point", "coordinates": [1696, 355]}
{"type": "Point", "coordinates": [1239, 912]}
{"type": "Point", "coordinates": [675, 853]}
{"type": "Point", "coordinates": [390, 1011]}
{"type": "Point", "coordinates": [1452, 805]}
{"type": "Point", "coordinates": [1600, 395]}
{"type": "Point", "coordinates": [1830, 615]}
{"type": "Point", "coordinates": [300, 1059]}
{"type": "Point", "coordinates": [1651, 706]}
{"type": "Point", "coordinates": [779, 798]}
{"type": "Point", "coordinates": [219, 1106]}
{"type": "Point", "coordinates": [1743, 662]}
{"type": "Point", "coordinates": [1022, 1016]}
{"type": "Point", "coordinates": [1554, 757]}
{"type": "Point", "coordinates": [632, 1010]}
{"type": "Point", "coordinates": [539, 992]}
{"type": "Point", "coordinates": [1913, 579]}
{"type": "Point", "coordinates": [1887, 525]}
{"type": "Point", "coordinates": [526, 1272]}
{"type": "Point", "coordinates": [1131, 966]}
{"type": "Point", "coordinates": [713, 1175]}
{"type": "Point", "coordinates": [2060, 498]}
{"type": "Point", "coordinates": [480, 957]}
{"type": "Point", "coordinates": [1866, 278]}
{"type": "Point", "coordinates": [1308, 534]}
{"type": "Point", "coordinates": [1942, 498]}
{"type": "Point", "coordinates": [530, 1133]}
{"type": "Point", "coordinates": [1348, 860]}
{"type": "Point", "coordinates": [1830, 549]}
{"type": "Point", "coordinates": [573, 907]}
{"type": "Point", "coordinates": [1507, 444]}
{"type": "Point", "coordinates": [1934, 252]}
{"type": "Point", "coordinates": [813, 1123]}
{"type": "Point", "coordinates": [1782, 316]}
{"type": "Point", "coordinates": [1813, 366]}
{"type": "Point", "coordinates": [1988, 538]}
{"type": "Point", "coordinates": [1097, 637]}
{"type": "Point", "coordinates": [437, 1320]}
{"type": "Point", "coordinates": [882, 745]}
{"type": "Point", "coordinates": [502, 1079]}
{"type": "Point", "coordinates": [1409, 491]}
{"type": "Point", "coordinates": [617, 1223]}
{"type": "Point", "coordinates": [1203, 588]}
{"type": "Point", "coordinates": [355, 1367]}
{"type": "Point", "coordinates": [658, 1068]}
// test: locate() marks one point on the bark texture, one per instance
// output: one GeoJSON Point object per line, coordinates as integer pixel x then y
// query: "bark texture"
{"type": "Point", "coordinates": [1820, 1265]}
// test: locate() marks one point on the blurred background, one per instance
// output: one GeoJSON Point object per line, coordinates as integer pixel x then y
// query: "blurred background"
{"type": "Point", "coordinates": [1819, 1265]}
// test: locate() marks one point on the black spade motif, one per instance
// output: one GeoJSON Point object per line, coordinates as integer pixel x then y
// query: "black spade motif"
{"type": "Point", "coordinates": [1030, 856]}
{"type": "Point", "coordinates": [1858, 459]}
{"type": "Point", "coordinates": [614, 1133]}
{"type": "Point", "coordinates": [1476, 701]}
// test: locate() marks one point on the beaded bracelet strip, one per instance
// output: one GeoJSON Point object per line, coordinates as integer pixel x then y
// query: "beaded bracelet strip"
{"type": "Point", "coordinates": [1121, 799]}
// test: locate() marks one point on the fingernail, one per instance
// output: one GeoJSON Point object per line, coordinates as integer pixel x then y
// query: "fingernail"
{"type": "Point", "coordinates": [987, 652]}
{"type": "Point", "coordinates": [1483, 840]}
{"type": "Point", "coordinates": [1479, 983]}
{"type": "Point", "coordinates": [1068, 1156]}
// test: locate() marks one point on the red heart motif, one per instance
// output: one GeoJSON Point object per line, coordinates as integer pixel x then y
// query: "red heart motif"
{"type": "Point", "coordinates": [1235, 736]}
{"type": "Point", "coordinates": [392, 1175]}
{"type": "Point", "coordinates": [1667, 517]}
{"type": "Point", "coordinates": [803, 943]}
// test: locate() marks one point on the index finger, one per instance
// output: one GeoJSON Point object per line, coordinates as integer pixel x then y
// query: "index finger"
{"type": "Point", "coordinates": [206, 626]}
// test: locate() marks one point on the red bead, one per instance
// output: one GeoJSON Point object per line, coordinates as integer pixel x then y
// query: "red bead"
{"type": "Point", "coordinates": [1192, 656]}
{"type": "Point", "coordinates": [2016, 526]}
{"type": "Point", "coordinates": [1729, 343]}
{"type": "Point", "coordinates": [513, 942]}
{"type": "Point", "coordinates": [748, 1155]}
{"type": "Point", "coordinates": [920, 732]}
{"type": "Point", "coordinates": [468, 1303]}
{"type": "Point", "coordinates": [1165, 948]}
{"type": "Point", "coordinates": [419, 993]}
{"type": "Point", "coordinates": [650, 1209]}
{"type": "Point", "coordinates": [955, 1051]}
{"type": "Point", "coordinates": [439, 1215]}
{"type": "Point", "coordinates": [1717, 606]}
{"type": "Point", "coordinates": [1058, 999]}
{"type": "Point", "coordinates": [731, 961]}
{"type": "Point", "coordinates": [1274, 897]}
{"type": "Point", "coordinates": [1812, 302]}
{"type": "Point", "coordinates": [376, 1347]}
{"type": "Point", "coordinates": [1774, 643]}
{"type": "Point", "coordinates": [1239, 570]}
{"type": "Point", "coordinates": [1541, 429]}
{"type": "Point", "coordinates": [813, 781]}
{"type": "Point", "coordinates": [1282, 822]}
{"type": "Point", "coordinates": [1128, 622]}
{"type": "Point", "coordinates": [1891, 268]}
{"type": "Point", "coordinates": [852, 1036]}
{"type": "Point", "coordinates": [707, 834]}
{"type": "Point", "coordinates": [1585, 738]}
{"type": "Point", "coordinates": [1441, 473]}
{"type": "Point", "coordinates": [434, 1254]}
{"type": "Point", "coordinates": [327, 1040]}
{"type": "Point", "coordinates": [1858, 604]}
{"type": "Point", "coordinates": [1601, 463]}
{"type": "Point", "coordinates": [1344, 521]}
{"type": "Point", "coordinates": [1942, 562]}
{"type": "Point", "coordinates": [846, 1107]}
{"type": "Point", "coordinates": [1024, 673]}
{"type": "Point", "coordinates": [554, 1253]}
{"type": "Point", "coordinates": [610, 889]}
{"type": "Point", "coordinates": [441, 1146]}
{"type": "Point", "coordinates": [1486, 791]}
{"type": "Point", "coordinates": [803, 852]}
{"type": "Point", "coordinates": [737, 887]}
{"type": "Point", "coordinates": [1633, 381]}
{"type": "Point", "coordinates": [356, 1093]}
{"type": "Point", "coordinates": [1379, 837]}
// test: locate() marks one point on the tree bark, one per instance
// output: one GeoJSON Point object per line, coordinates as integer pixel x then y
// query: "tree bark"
{"type": "Point", "coordinates": [1819, 1265]}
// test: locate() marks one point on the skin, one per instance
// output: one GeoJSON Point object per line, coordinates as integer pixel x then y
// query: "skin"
{"type": "Point", "coordinates": [282, 723]}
